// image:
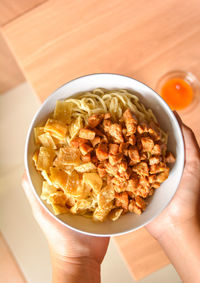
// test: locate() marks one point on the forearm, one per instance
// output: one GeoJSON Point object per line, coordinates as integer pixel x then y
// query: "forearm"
{"type": "Point", "coordinates": [73, 270]}
{"type": "Point", "coordinates": [182, 246]}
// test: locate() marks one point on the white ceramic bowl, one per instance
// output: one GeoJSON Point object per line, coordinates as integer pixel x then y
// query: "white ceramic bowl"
{"type": "Point", "coordinates": [168, 122]}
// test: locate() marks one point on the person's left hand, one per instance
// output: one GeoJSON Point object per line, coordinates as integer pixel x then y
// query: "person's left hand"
{"type": "Point", "coordinates": [65, 244]}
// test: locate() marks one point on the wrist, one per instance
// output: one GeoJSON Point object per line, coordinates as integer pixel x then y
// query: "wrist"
{"type": "Point", "coordinates": [74, 269]}
{"type": "Point", "coordinates": [181, 243]}
{"type": "Point", "coordinates": [182, 231]}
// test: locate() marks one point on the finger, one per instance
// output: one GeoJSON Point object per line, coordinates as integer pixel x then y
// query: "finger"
{"type": "Point", "coordinates": [191, 144]}
{"type": "Point", "coordinates": [178, 118]}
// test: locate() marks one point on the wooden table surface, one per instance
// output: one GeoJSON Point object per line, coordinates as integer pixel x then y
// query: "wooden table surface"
{"type": "Point", "coordinates": [64, 39]}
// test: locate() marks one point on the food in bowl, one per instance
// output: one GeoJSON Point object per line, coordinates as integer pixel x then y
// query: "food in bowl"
{"type": "Point", "coordinates": [101, 154]}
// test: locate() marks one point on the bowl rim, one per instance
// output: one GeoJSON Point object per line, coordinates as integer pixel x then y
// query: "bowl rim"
{"type": "Point", "coordinates": [181, 168]}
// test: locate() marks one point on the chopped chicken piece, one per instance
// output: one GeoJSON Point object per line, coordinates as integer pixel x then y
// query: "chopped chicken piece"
{"type": "Point", "coordinates": [122, 166]}
{"type": "Point", "coordinates": [132, 140]}
{"type": "Point", "coordinates": [131, 194]}
{"type": "Point", "coordinates": [123, 148]}
{"type": "Point", "coordinates": [95, 141]}
{"type": "Point", "coordinates": [119, 182]}
{"type": "Point", "coordinates": [94, 120]}
{"type": "Point", "coordinates": [131, 163]}
{"type": "Point", "coordinates": [126, 174]}
{"type": "Point", "coordinates": [106, 126]}
{"type": "Point", "coordinates": [151, 191]}
{"type": "Point", "coordinates": [122, 200]}
{"type": "Point", "coordinates": [161, 177]}
{"type": "Point", "coordinates": [142, 128]}
{"type": "Point", "coordinates": [104, 139]}
{"type": "Point", "coordinates": [134, 155]}
{"type": "Point", "coordinates": [143, 156]}
{"type": "Point", "coordinates": [102, 151]}
{"type": "Point", "coordinates": [131, 128]}
{"type": "Point", "coordinates": [101, 170]}
{"type": "Point", "coordinates": [156, 149]}
{"type": "Point", "coordinates": [154, 160]}
{"type": "Point", "coordinates": [141, 168]}
{"type": "Point", "coordinates": [142, 191]}
{"type": "Point", "coordinates": [157, 168]}
{"type": "Point", "coordinates": [130, 121]}
{"type": "Point", "coordinates": [144, 181]}
{"type": "Point", "coordinates": [169, 158]}
{"type": "Point", "coordinates": [114, 159]}
{"type": "Point", "coordinates": [140, 202]}
{"type": "Point", "coordinates": [86, 158]}
{"type": "Point", "coordinates": [110, 169]}
{"type": "Point", "coordinates": [132, 183]}
{"type": "Point", "coordinates": [95, 160]}
{"type": "Point", "coordinates": [85, 148]}
{"type": "Point", "coordinates": [116, 132]}
{"type": "Point", "coordinates": [131, 205]}
{"type": "Point", "coordinates": [86, 134]}
{"type": "Point", "coordinates": [107, 116]}
{"type": "Point", "coordinates": [147, 144]}
{"type": "Point", "coordinates": [129, 116]}
{"type": "Point", "coordinates": [155, 185]}
{"type": "Point", "coordinates": [113, 148]}
{"type": "Point", "coordinates": [76, 142]}
{"type": "Point", "coordinates": [139, 144]}
{"type": "Point", "coordinates": [152, 178]}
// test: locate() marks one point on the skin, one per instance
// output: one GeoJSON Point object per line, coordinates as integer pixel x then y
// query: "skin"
{"type": "Point", "coordinates": [77, 258]}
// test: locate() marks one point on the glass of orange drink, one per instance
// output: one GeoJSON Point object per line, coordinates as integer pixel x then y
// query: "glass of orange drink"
{"type": "Point", "coordinates": [179, 89]}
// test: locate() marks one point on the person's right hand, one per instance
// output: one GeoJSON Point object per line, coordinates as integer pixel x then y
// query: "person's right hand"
{"type": "Point", "coordinates": [185, 206]}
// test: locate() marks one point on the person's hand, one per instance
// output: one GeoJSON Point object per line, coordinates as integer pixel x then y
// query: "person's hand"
{"type": "Point", "coordinates": [185, 205]}
{"type": "Point", "coordinates": [177, 228]}
{"type": "Point", "coordinates": [69, 249]}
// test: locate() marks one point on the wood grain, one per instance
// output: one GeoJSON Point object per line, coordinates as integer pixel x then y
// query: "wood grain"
{"type": "Point", "coordinates": [64, 39]}
{"type": "Point", "coordinates": [61, 40]}
{"type": "Point", "coordinates": [143, 253]}
{"type": "Point", "coordinates": [11, 74]}
{"type": "Point", "coordinates": [9, 270]}
{"type": "Point", "coordinates": [11, 9]}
